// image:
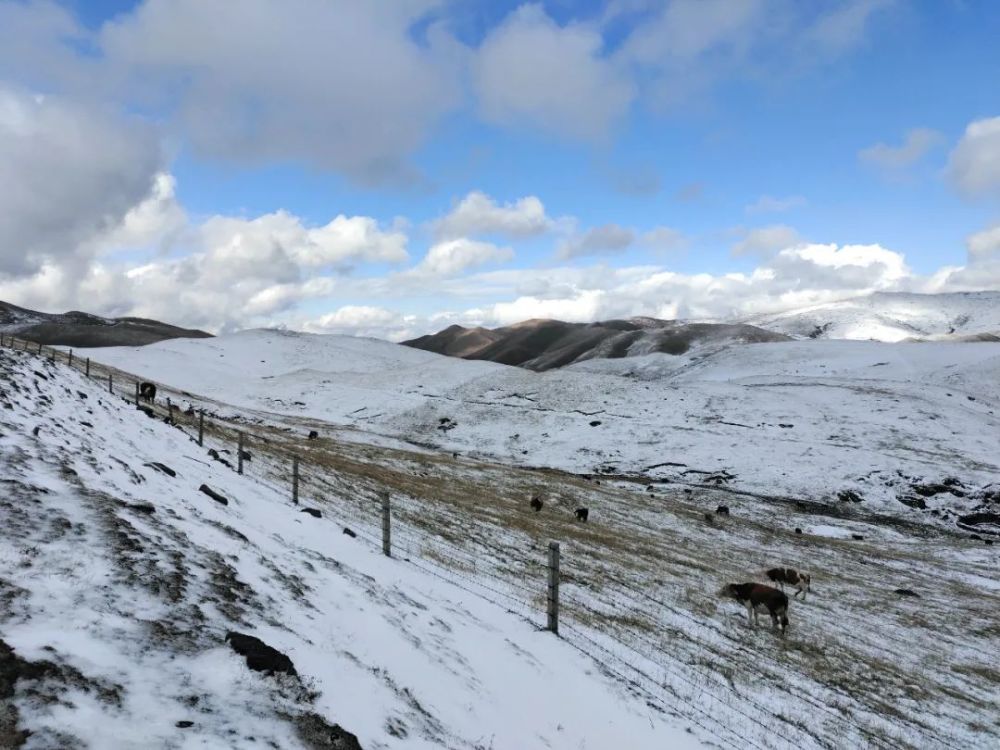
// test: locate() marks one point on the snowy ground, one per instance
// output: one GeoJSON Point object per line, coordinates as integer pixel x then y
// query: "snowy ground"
{"type": "Point", "coordinates": [862, 665]}
{"type": "Point", "coordinates": [119, 582]}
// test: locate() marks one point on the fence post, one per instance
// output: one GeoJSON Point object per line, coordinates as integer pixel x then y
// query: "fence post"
{"type": "Point", "coordinates": [39, 347]}
{"type": "Point", "coordinates": [295, 480]}
{"type": "Point", "coordinates": [137, 393]}
{"type": "Point", "coordinates": [88, 367]}
{"type": "Point", "coordinates": [201, 427]}
{"type": "Point", "coordinates": [553, 624]}
{"type": "Point", "coordinates": [53, 352]}
{"type": "Point", "coordinates": [170, 410]}
{"type": "Point", "coordinates": [386, 525]}
{"type": "Point", "coordinates": [70, 357]}
{"type": "Point", "coordinates": [239, 452]}
{"type": "Point", "coordinates": [111, 387]}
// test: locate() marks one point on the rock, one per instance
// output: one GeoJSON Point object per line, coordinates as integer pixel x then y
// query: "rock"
{"type": "Point", "coordinates": [722, 510]}
{"type": "Point", "coordinates": [913, 502]}
{"type": "Point", "coordinates": [786, 426]}
{"type": "Point", "coordinates": [260, 657]}
{"type": "Point", "coordinates": [184, 724]}
{"type": "Point", "coordinates": [146, 508]}
{"type": "Point", "coordinates": [930, 489]}
{"type": "Point", "coordinates": [162, 468]}
{"type": "Point", "coordinates": [317, 733]}
{"type": "Point", "coordinates": [213, 494]}
{"type": "Point", "coordinates": [907, 592]}
{"type": "Point", "coordinates": [595, 423]}
{"type": "Point", "coordinates": [350, 533]}
{"type": "Point", "coordinates": [849, 496]}
{"type": "Point", "coordinates": [313, 435]}
{"type": "Point", "coordinates": [798, 530]}
{"type": "Point", "coordinates": [858, 537]}
{"type": "Point", "coordinates": [981, 518]}
{"type": "Point", "coordinates": [312, 512]}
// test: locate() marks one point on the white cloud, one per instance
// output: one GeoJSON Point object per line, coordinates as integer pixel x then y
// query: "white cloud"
{"type": "Point", "coordinates": [343, 86]}
{"type": "Point", "coordinates": [454, 256]}
{"type": "Point", "coordinates": [68, 172]}
{"type": "Point", "coordinates": [844, 26]}
{"type": "Point", "coordinates": [765, 241]}
{"type": "Point", "coordinates": [609, 238]}
{"type": "Point", "coordinates": [531, 71]}
{"type": "Point", "coordinates": [916, 144]}
{"type": "Point", "coordinates": [770, 204]}
{"type": "Point", "coordinates": [477, 213]}
{"type": "Point", "coordinates": [974, 164]}
{"type": "Point", "coordinates": [663, 239]}
{"type": "Point", "coordinates": [984, 244]}
{"type": "Point", "coordinates": [361, 320]}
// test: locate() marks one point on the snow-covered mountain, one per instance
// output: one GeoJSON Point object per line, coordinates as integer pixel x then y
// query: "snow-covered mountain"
{"type": "Point", "coordinates": [894, 316]}
{"type": "Point", "coordinates": [871, 465]}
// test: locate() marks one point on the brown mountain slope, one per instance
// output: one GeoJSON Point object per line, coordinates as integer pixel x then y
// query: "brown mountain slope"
{"type": "Point", "coordinates": [547, 344]}
{"type": "Point", "coordinates": [79, 329]}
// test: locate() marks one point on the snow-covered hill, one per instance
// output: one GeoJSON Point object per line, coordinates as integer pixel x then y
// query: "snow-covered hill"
{"type": "Point", "coordinates": [893, 316]}
{"type": "Point", "coordinates": [809, 419]}
{"type": "Point", "coordinates": [119, 581]}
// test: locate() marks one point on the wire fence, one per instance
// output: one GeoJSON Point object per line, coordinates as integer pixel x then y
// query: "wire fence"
{"type": "Point", "coordinates": [609, 629]}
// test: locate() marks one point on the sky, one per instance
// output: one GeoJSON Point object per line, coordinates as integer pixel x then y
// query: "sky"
{"type": "Point", "coordinates": [390, 167]}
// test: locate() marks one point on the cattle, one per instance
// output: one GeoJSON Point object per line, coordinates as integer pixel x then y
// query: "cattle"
{"type": "Point", "coordinates": [722, 510]}
{"type": "Point", "coordinates": [147, 392]}
{"type": "Point", "coordinates": [536, 503]}
{"type": "Point", "coordinates": [757, 596]}
{"type": "Point", "coordinates": [781, 576]}
{"type": "Point", "coordinates": [313, 434]}
{"type": "Point", "coordinates": [582, 514]}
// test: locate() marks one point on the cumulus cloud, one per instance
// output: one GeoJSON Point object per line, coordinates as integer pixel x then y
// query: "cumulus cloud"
{"type": "Point", "coordinates": [770, 204]}
{"type": "Point", "coordinates": [663, 239]}
{"type": "Point", "coordinates": [974, 164]}
{"type": "Point", "coordinates": [529, 70]}
{"type": "Point", "coordinates": [916, 144]}
{"type": "Point", "coordinates": [361, 320]}
{"type": "Point", "coordinates": [69, 171]}
{"type": "Point", "coordinates": [767, 240]}
{"type": "Point", "coordinates": [609, 238]}
{"type": "Point", "coordinates": [454, 256]}
{"type": "Point", "coordinates": [346, 86]}
{"type": "Point", "coordinates": [984, 244]}
{"type": "Point", "coordinates": [477, 214]}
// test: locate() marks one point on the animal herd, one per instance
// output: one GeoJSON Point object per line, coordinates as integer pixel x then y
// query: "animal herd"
{"type": "Point", "coordinates": [756, 597]}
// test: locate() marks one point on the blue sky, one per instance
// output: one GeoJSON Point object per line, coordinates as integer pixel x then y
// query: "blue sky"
{"type": "Point", "coordinates": [706, 159]}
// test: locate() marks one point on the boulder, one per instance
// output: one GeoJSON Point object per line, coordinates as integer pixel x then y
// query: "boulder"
{"type": "Point", "coordinates": [260, 657]}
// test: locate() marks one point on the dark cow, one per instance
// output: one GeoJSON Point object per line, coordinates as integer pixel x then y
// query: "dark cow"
{"type": "Point", "coordinates": [582, 514]}
{"type": "Point", "coordinates": [313, 434]}
{"type": "Point", "coordinates": [722, 510]}
{"type": "Point", "coordinates": [792, 577]}
{"type": "Point", "coordinates": [536, 503]}
{"type": "Point", "coordinates": [757, 596]}
{"type": "Point", "coordinates": [147, 392]}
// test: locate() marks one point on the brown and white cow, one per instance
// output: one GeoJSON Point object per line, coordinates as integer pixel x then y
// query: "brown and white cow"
{"type": "Point", "coordinates": [800, 581]}
{"type": "Point", "coordinates": [757, 597]}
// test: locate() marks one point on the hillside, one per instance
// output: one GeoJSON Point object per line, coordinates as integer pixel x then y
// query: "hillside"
{"type": "Point", "coordinates": [120, 580]}
{"type": "Point", "coordinates": [547, 344]}
{"type": "Point", "coordinates": [894, 316]}
{"type": "Point", "coordinates": [868, 665]}
{"type": "Point", "coordinates": [81, 330]}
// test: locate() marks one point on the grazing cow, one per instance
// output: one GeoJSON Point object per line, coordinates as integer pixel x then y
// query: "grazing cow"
{"type": "Point", "coordinates": [147, 392]}
{"type": "Point", "coordinates": [792, 577]}
{"type": "Point", "coordinates": [536, 503]}
{"type": "Point", "coordinates": [313, 434]}
{"type": "Point", "coordinates": [582, 514]}
{"type": "Point", "coordinates": [757, 596]}
{"type": "Point", "coordinates": [722, 510]}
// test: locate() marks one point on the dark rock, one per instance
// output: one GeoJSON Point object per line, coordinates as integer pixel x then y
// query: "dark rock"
{"type": "Point", "coordinates": [162, 468]}
{"type": "Point", "coordinates": [350, 533]}
{"type": "Point", "coordinates": [786, 426]}
{"type": "Point", "coordinates": [913, 502]}
{"type": "Point", "coordinates": [971, 398]}
{"type": "Point", "coordinates": [907, 592]}
{"type": "Point", "coordinates": [213, 494]}
{"type": "Point", "coordinates": [798, 530]}
{"type": "Point", "coordinates": [147, 508]}
{"type": "Point", "coordinates": [260, 657]}
{"type": "Point", "coordinates": [858, 537]}
{"type": "Point", "coordinates": [976, 537]}
{"type": "Point", "coordinates": [930, 490]}
{"type": "Point", "coordinates": [184, 724]}
{"type": "Point", "coordinates": [582, 514]}
{"type": "Point", "coordinates": [312, 512]}
{"type": "Point", "coordinates": [595, 423]}
{"type": "Point", "coordinates": [316, 733]}
{"type": "Point", "coordinates": [36, 430]}
{"type": "Point", "coordinates": [976, 519]}
{"type": "Point", "coordinates": [722, 510]}
{"type": "Point", "coordinates": [313, 435]}
{"type": "Point", "coordinates": [849, 496]}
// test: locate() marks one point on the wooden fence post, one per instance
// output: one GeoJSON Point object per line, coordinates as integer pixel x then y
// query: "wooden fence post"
{"type": "Point", "coordinates": [239, 452]}
{"type": "Point", "coordinates": [137, 393]}
{"type": "Point", "coordinates": [553, 624]}
{"type": "Point", "coordinates": [111, 387]}
{"type": "Point", "coordinates": [70, 357]}
{"type": "Point", "coordinates": [39, 347]}
{"type": "Point", "coordinates": [295, 480]}
{"type": "Point", "coordinates": [88, 367]}
{"type": "Point", "coordinates": [170, 410]}
{"type": "Point", "coordinates": [201, 427]}
{"type": "Point", "coordinates": [386, 525]}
